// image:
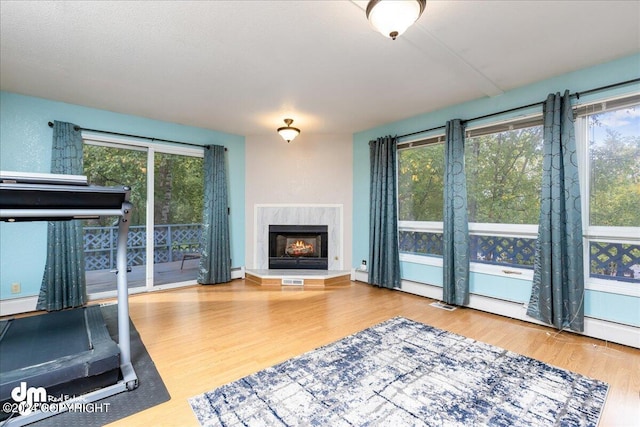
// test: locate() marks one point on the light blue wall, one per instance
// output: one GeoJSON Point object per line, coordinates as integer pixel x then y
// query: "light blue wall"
{"type": "Point", "coordinates": [617, 308]}
{"type": "Point", "coordinates": [25, 146]}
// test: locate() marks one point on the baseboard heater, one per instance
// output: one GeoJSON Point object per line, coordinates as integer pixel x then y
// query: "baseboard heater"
{"type": "Point", "coordinates": [292, 282]}
{"type": "Point", "coordinates": [237, 272]}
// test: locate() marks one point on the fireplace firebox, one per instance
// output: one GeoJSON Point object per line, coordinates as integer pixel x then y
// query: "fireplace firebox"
{"type": "Point", "coordinates": [298, 247]}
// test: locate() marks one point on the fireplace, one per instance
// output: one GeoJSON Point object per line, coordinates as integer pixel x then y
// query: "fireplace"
{"type": "Point", "coordinates": [298, 247]}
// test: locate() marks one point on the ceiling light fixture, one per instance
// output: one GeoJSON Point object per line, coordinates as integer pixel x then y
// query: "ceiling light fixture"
{"type": "Point", "coordinates": [393, 17]}
{"type": "Point", "coordinates": [288, 133]}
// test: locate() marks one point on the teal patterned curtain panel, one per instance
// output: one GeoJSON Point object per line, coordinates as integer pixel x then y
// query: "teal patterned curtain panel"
{"type": "Point", "coordinates": [384, 254]}
{"type": "Point", "coordinates": [63, 283]}
{"type": "Point", "coordinates": [557, 293]}
{"type": "Point", "coordinates": [455, 237]}
{"type": "Point", "coordinates": [215, 262]}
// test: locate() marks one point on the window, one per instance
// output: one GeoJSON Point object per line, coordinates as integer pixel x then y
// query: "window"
{"type": "Point", "coordinates": [609, 132]}
{"type": "Point", "coordinates": [504, 174]}
{"type": "Point", "coordinates": [420, 202]}
{"type": "Point", "coordinates": [166, 193]}
{"type": "Point", "coordinates": [504, 168]}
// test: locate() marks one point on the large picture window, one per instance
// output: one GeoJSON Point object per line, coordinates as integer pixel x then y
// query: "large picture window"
{"type": "Point", "coordinates": [504, 170]}
{"type": "Point", "coordinates": [420, 202]}
{"type": "Point", "coordinates": [610, 136]}
{"type": "Point", "coordinates": [503, 167]}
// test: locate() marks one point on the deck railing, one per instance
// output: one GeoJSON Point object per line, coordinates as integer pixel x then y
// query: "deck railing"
{"type": "Point", "coordinates": [613, 261]}
{"type": "Point", "coordinates": [610, 261]}
{"type": "Point", "coordinates": [170, 241]}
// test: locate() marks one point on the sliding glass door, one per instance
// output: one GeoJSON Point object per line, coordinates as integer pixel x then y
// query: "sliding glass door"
{"type": "Point", "coordinates": [164, 236]}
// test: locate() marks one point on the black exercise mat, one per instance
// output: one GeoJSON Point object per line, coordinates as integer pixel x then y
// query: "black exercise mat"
{"type": "Point", "coordinates": [151, 390]}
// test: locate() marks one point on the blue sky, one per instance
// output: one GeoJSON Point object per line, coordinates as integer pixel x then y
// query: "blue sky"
{"type": "Point", "coordinates": [626, 121]}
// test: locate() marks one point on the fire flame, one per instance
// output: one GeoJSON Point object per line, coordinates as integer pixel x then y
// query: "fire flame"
{"type": "Point", "coordinates": [300, 244]}
{"type": "Point", "coordinates": [299, 248]}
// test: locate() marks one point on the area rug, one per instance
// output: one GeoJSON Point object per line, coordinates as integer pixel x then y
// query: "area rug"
{"type": "Point", "coordinates": [151, 390]}
{"type": "Point", "coordinates": [405, 373]}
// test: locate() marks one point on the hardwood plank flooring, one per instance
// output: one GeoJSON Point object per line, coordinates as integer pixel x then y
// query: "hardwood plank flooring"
{"type": "Point", "coordinates": [201, 337]}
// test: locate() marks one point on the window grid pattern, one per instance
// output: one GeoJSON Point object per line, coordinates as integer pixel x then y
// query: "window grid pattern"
{"type": "Point", "coordinates": [609, 261]}
{"type": "Point", "coordinates": [504, 251]}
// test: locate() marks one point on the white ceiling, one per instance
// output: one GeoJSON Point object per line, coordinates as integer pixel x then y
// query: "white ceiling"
{"type": "Point", "coordinates": [243, 66]}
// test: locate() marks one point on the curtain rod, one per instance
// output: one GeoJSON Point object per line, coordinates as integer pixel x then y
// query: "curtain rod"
{"type": "Point", "coordinates": [138, 136]}
{"type": "Point", "coordinates": [524, 107]}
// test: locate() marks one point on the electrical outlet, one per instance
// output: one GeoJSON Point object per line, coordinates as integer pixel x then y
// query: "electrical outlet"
{"type": "Point", "coordinates": [16, 288]}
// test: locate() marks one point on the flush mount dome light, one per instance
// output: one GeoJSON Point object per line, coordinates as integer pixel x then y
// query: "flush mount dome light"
{"type": "Point", "coordinates": [288, 133]}
{"type": "Point", "coordinates": [392, 17]}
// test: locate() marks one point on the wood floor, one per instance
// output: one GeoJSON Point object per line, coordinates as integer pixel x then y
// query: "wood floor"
{"type": "Point", "coordinates": [201, 337]}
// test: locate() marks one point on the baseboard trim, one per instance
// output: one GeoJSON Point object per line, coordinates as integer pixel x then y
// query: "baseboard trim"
{"type": "Point", "coordinates": [12, 306]}
{"type": "Point", "coordinates": [9, 307]}
{"type": "Point", "coordinates": [594, 328]}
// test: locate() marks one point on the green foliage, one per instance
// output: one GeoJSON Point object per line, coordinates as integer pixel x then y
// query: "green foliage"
{"type": "Point", "coordinates": [178, 189]}
{"type": "Point", "coordinates": [503, 178]}
{"type": "Point", "coordinates": [615, 180]}
{"type": "Point", "coordinates": [504, 174]}
{"type": "Point", "coordinates": [116, 166]}
{"type": "Point", "coordinates": [178, 183]}
{"type": "Point", "coordinates": [420, 183]}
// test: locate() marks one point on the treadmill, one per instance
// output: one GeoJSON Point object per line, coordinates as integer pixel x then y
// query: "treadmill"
{"type": "Point", "coordinates": [67, 352]}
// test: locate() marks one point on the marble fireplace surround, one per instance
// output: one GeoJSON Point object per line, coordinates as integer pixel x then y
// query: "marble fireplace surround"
{"type": "Point", "coordinates": [330, 215]}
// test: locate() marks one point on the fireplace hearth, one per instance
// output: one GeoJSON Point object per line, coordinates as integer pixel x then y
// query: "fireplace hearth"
{"type": "Point", "coordinates": [298, 247]}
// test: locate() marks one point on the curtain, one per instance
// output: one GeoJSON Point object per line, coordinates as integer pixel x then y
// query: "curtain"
{"type": "Point", "coordinates": [63, 283]}
{"type": "Point", "coordinates": [455, 289]}
{"type": "Point", "coordinates": [384, 254]}
{"type": "Point", "coordinates": [558, 276]}
{"type": "Point", "coordinates": [215, 260]}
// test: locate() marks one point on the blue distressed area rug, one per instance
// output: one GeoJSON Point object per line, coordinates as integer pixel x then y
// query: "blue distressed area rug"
{"type": "Point", "coordinates": [405, 373]}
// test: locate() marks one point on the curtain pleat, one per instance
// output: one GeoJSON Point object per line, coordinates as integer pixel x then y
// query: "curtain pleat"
{"type": "Point", "coordinates": [558, 279]}
{"type": "Point", "coordinates": [64, 283]}
{"type": "Point", "coordinates": [455, 289]}
{"type": "Point", "coordinates": [215, 260]}
{"type": "Point", "coordinates": [384, 255]}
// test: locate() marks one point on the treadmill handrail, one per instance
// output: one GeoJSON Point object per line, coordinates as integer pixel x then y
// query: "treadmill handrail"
{"type": "Point", "coordinates": [58, 213]}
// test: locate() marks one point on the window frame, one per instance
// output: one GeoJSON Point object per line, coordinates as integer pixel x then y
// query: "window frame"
{"type": "Point", "coordinates": [528, 231]}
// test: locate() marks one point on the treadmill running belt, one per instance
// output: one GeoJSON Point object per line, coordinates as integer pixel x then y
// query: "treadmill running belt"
{"type": "Point", "coordinates": [38, 339]}
{"type": "Point", "coordinates": [67, 352]}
